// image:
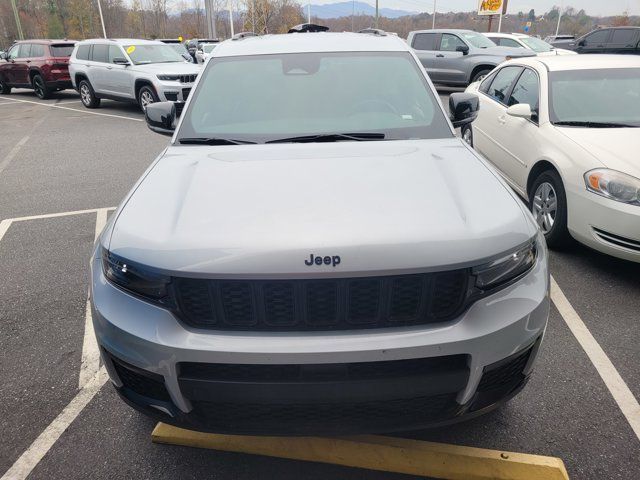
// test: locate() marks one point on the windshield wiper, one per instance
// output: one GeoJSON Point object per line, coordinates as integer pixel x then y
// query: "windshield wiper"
{"type": "Point", "coordinates": [213, 141]}
{"type": "Point", "coordinates": [579, 123]}
{"type": "Point", "coordinates": [330, 137]}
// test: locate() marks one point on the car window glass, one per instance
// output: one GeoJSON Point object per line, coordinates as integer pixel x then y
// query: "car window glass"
{"type": "Point", "coordinates": [115, 52]}
{"type": "Point", "coordinates": [83, 52]}
{"type": "Point", "coordinates": [100, 53]}
{"type": "Point", "coordinates": [13, 53]}
{"type": "Point", "coordinates": [25, 50]}
{"type": "Point", "coordinates": [526, 90]}
{"type": "Point", "coordinates": [507, 42]}
{"type": "Point", "coordinates": [61, 50]}
{"type": "Point", "coordinates": [486, 83]}
{"type": "Point", "coordinates": [624, 37]}
{"type": "Point", "coordinates": [449, 43]}
{"type": "Point", "coordinates": [424, 41]}
{"type": "Point", "coordinates": [596, 38]}
{"type": "Point", "coordinates": [37, 51]}
{"type": "Point", "coordinates": [502, 82]}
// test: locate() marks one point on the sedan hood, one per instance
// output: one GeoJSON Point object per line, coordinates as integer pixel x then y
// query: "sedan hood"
{"type": "Point", "coordinates": [615, 148]}
{"type": "Point", "coordinates": [180, 68]}
{"type": "Point", "coordinates": [261, 210]}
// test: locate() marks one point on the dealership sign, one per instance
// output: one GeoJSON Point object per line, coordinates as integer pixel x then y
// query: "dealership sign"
{"type": "Point", "coordinates": [492, 7]}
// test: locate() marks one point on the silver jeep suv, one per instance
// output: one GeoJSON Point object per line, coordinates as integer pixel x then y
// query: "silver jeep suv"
{"type": "Point", "coordinates": [139, 71]}
{"type": "Point", "coordinates": [316, 252]}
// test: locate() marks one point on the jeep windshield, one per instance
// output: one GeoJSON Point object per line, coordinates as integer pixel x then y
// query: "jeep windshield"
{"type": "Point", "coordinates": [336, 96]}
{"type": "Point", "coordinates": [144, 54]}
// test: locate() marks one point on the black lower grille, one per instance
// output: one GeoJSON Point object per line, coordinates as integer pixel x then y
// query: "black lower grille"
{"type": "Point", "coordinates": [292, 419]}
{"type": "Point", "coordinates": [617, 240]}
{"type": "Point", "coordinates": [333, 304]}
{"type": "Point", "coordinates": [185, 94]}
{"type": "Point", "coordinates": [505, 373]}
{"type": "Point", "coordinates": [147, 384]}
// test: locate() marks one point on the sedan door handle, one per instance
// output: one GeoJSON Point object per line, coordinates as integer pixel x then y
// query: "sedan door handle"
{"type": "Point", "coordinates": [502, 119]}
{"type": "Point", "coordinates": [440, 55]}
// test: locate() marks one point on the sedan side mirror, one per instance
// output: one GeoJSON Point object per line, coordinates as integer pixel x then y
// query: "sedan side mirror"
{"type": "Point", "coordinates": [120, 61]}
{"type": "Point", "coordinates": [462, 48]}
{"type": "Point", "coordinates": [520, 110]}
{"type": "Point", "coordinates": [161, 117]}
{"type": "Point", "coordinates": [463, 108]}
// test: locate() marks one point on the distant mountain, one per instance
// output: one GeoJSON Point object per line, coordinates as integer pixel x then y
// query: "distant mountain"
{"type": "Point", "coordinates": [346, 9]}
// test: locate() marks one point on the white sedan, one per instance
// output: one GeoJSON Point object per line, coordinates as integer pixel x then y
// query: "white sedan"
{"type": "Point", "coordinates": [520, 40]}
{"type": "Point", "coordinates": [564, 132]}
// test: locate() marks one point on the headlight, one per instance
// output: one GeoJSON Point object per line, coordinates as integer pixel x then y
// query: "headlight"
{"type": "Point", "coordinates": [169, 78]}
{"type": "Point", "coordinates": [507, 268]}
{"type": "Point", "coordinates": [135, 278]}
{"type": "Point", "coordinates": [614, 185]}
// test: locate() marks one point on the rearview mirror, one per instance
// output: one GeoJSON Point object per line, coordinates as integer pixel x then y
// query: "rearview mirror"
{"type": "Point", "coordinates": [3, 56]}
{"type": "Point", "coordinates": [520, 110]}
{"type": "Point", "coordinates": [161, 117]}
{"type": "Point", "coordinates": [120, 61]}
{"type": "Point", "coordinates": [463, 108]}
{"type": "Point", "coordinates": [462, 48]}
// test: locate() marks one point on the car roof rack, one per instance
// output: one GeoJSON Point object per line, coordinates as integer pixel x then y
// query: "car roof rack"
{"type": "Point", "coordinates": [308, 28]}
{"type": "Point", "coordinates": [373, 31]}
{"type": "Point", "coordinates": [243, 35]}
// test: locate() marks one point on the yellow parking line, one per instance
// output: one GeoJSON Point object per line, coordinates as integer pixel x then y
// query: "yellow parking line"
{"type": "Point", "coordinates": [388, 454]}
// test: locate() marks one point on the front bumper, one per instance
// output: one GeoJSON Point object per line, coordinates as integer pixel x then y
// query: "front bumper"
{"type": "Point", "coordinates": [297, 384]}
{"type": "Point", "coordinates": [605, 225]}
{"type": "Point", "coordinates": [173, 91]}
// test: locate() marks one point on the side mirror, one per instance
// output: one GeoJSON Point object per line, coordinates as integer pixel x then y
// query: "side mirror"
{"type": "Point", "coordinates": [462, 48]}
{"type": "Point", "coordinates": [520, 110]}
{"type": "Point", "coordinates": [120, 61]}
{"type": "Point", "coordinates": [3, 56]}
{"type": "Point", "coordinates": [463, 108]}
{"type": "Point", "coordinates": [582, 43]}
{"type": "Point", "coordinates": [161, 117]}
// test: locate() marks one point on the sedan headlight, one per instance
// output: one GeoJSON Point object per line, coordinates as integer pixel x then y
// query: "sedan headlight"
{"type": "Point", "coordinates": [169, 78]}
{"type": "Point", "coordinates": [612, 184]}
{"type": "Point", "coordinates": [507, 268]}
{"type": "Point", "coordinates": [135, 278]}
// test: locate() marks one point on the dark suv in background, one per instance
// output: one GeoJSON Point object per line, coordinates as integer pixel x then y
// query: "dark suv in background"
{"type": "Point", "coordinates": [39, 64]}
{"type": "Point", "coordinates": [619, 40]}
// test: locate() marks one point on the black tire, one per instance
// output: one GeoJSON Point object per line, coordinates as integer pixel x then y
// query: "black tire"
{"type": "Point", "coordinates": [87, 95]}
{"type": "Point", "coordinates": [4, 88]}
{"type": "Point", "coordinates": [40, 87]}
{"type": "Point", "coordinates": [479, 75]}
{"type": "Point", "coordinates": [146, 95]}
{"type": "Point", "coordinates": [558, 236]}
{"type": "Point", "coordinates": [466, 132]}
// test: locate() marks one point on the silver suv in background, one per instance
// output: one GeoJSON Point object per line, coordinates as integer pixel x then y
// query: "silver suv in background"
{"type": "Point", "coordinates": [459, 57]}
{"type": "Point", "coordinates": [139, 71]}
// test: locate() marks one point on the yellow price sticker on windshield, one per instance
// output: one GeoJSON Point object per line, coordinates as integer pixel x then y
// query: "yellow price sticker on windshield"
{"type": "Point", "coordinates": [131, 49]}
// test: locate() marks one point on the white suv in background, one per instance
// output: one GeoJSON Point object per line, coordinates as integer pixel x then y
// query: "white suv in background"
{"type": "Point", "coordinates": [520, 40]}
{"type": "Point", "coordinates": [140, 71]}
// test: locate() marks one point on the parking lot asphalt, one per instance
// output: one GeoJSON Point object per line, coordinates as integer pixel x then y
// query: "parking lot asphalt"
{"type": "Point", "coordinates": [56, 156]}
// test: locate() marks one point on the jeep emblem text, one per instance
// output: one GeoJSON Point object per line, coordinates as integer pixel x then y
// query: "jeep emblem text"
{"type": "Point", "coordinates": [318, 260]}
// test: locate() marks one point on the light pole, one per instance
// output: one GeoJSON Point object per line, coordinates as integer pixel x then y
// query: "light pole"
{"type": "Point", "coordinates": [376, 13]}
{"type": "Point", "coordinates": [433, 23]}
{"type": "Point", "coordinates": [559, 18]}
{"type": "Point", "coordinates": [104, 31]}
{"type": "Point", "coordinates": [309, 11]}
{"type": "Point", "coordinates": [18, 24]}
{"type": "Point", "coordinates": [231, 18]}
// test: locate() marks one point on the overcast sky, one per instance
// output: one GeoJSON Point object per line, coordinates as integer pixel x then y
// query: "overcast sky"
{"type": "Point", "coordinates": [592, 7]}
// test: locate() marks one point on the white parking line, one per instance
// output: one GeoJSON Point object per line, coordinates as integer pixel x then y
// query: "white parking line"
{"type": "Point", "coordinates": [41, 445]}
{"type": "Point", "coordinates": [5, 103]}
{"type": "Point", "coordinates": [13, 152]}
{"type": "Point", "coordinates": [58, 214]}
{"type": "Point", "coordinates": [67, 101]}
{"type": "Point", "coordinates": [76, 110]}
{"type": "Point", "coordinates": [90, 362]}
{"type": "Point", "coordinates": [608, 372]}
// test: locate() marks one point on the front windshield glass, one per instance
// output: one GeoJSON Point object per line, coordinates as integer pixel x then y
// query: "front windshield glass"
{"type": "Point", "coordinates": [478, 40]}
{"type": "Point", "coordinates": [269, 97]}
{"type": "Point", "coordinates": [536, 44]}
{"type": "Point", "coordinates": [178, 47]}
{"type": "Point", "coordinates": [601, 95]}
{"type": "Point", "coordinates": [143, 54]}
{"type": "Point", "coordinates": [208, 48]}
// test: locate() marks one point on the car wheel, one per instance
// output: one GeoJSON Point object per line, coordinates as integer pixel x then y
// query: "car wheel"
{"type": "Point", "coordinates": [40, 87]}
{"type": "Point", "coordinates": [87, 95]}
{"type": "Point", "coordinates": [548, 204]}
{"type": "Point", "coordinates": [146, 95]}
{"type": "Point", "coordinates": [467, 134]}
{"type": "Point", "coordinates": [4, 88]}
{"type": "Point", "coordinates": [480, 75]}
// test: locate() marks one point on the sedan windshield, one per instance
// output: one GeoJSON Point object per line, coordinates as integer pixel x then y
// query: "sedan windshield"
{"type": "Point", "coordinates": [143, 54]}
{"type": "Point", "coordinates": [478, 40]}
{"type": "Point", "coordinates": [593, 98]}
{"type": "Point", "coordinates": [350, 96]}
{"type": "Point", "coordinates": [536, 44]}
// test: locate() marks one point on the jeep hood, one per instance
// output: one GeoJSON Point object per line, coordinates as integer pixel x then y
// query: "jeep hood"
{"type": "Point", "coordinates": [261, 210]}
